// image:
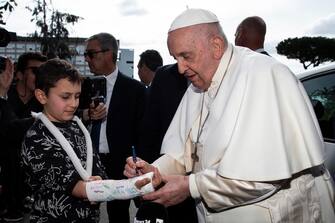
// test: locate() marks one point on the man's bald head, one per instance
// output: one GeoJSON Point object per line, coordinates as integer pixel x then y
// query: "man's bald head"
{"type": "Point", "coordinates": [251, 33]}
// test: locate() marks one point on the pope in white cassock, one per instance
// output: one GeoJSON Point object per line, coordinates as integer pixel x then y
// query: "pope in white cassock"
{"type": "Point", "coordinates": [244, 142]}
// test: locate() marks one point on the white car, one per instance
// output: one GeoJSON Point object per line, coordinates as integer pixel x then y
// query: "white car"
{"type": "Point", "coordinates": [320, 86]}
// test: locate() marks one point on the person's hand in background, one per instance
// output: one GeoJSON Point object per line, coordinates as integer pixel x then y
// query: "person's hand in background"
{"type": "Point", "coordinates": [6, 78]}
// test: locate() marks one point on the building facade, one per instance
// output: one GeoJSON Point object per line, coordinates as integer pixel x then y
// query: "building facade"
{"type": "Point", "coordinates": [76, 45]}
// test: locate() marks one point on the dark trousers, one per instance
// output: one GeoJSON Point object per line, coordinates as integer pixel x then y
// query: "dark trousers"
{"type": "Point", "coordinates": [183, 212]}
{"type": "Point", "coordinates": [13, 186]}
{"type": "Point", "coordinates": [118, 211]}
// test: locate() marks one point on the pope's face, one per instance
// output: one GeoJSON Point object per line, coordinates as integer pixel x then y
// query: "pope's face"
{"type": "Point", "coordinates": [194, 56]}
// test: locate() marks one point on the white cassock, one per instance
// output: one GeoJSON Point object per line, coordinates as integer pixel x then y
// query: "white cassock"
{"type": "Point", "coordinates": [260, 150]}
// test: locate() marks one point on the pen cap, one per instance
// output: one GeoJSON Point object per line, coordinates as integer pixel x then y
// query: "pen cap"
{"type": "Point", "coordinates": [151, 212]}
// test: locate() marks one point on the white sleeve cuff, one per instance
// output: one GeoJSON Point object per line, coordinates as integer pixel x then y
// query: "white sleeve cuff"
{"type": "Point", "coordinates": [167, 165]}
{"type": "Point", "coordinates": [193, 186]}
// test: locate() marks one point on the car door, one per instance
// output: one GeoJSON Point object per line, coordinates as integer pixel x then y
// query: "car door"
{"type": "Point", "coordinates": [321, 89]}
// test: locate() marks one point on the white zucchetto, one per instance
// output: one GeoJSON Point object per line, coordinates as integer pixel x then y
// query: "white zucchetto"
{"type": "Point", "coordinates": [192, 17]}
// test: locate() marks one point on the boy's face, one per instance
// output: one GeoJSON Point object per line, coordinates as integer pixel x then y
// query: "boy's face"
{"type": "Point", "coordinates": [62, 101]}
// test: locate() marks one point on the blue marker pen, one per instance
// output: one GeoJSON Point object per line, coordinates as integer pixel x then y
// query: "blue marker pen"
{"type": "Point", "coordinates": [137, 200]}
{"type": "Point", "coordinates": [134, 156]}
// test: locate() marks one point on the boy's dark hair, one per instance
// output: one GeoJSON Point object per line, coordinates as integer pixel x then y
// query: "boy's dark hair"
{"type": "Point", "coordinates": [152, 59]}
{"type": "Point", "coordinates": [54, 70]}
{"type": "Point", "coordinates": [24, 58]}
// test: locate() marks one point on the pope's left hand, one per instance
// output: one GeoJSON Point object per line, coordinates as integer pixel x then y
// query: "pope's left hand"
{"type": "Point", "coordinates": [174, 191]}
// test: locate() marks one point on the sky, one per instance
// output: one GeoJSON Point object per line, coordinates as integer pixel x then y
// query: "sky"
{"type": "Point", "coordinates": [143, 24]}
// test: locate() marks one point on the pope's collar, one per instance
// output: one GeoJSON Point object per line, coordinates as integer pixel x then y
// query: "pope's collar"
{"type": "Point", "coordinates": [224, 63]}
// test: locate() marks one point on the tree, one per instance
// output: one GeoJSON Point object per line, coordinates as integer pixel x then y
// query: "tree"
{"type": "Point", "coordinates": [52, 31]}
{"type": "Point", "coordinates": [308, 50]}
{"type": "Point", "coordinates": [6, 6]}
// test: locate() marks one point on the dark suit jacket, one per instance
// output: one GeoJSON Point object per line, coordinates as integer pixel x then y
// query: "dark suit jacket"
{"type": "Point", "coordinates": [124, 115]}
{"type": "Point", "coordinates": [22, 110]}
{"type": "Point", "coordinates": [6, 115]}
{"type": "Point", "coordinates": [264, 52]}
{"type": "Point", "coordinates": [165, 93]}
{"type": "Point", "coordinates": [12, 132]}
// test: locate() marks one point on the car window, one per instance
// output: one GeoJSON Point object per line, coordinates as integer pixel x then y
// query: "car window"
{"type": "Point", "coordinates": [321, 90]}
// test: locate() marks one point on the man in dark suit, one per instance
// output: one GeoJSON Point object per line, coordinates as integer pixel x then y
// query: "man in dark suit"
{"type": "Point", "coordinates": [250, 33]}
{"type": "Point", "coordinates": [21, 94]}
{"type": "Point", "coordinates": [124, 107]}
{"type": "Point", "coordinates": [149, 61]}
{"type": "Point", "coordinates": [22, 102]}
{"type": "Point", "coordinates": [165, 94]}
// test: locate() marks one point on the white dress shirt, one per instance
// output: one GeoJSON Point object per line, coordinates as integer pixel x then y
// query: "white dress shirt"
{"type": "Point", "coordinates": [110, 79]}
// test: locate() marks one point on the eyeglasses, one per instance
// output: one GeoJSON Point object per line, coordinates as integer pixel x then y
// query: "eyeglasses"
{"type": "Point", "coordinates": [91, 54]}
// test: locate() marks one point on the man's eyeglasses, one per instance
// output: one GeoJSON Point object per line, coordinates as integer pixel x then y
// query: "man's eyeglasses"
{"type": "Point", "coordinates": [91, 54]}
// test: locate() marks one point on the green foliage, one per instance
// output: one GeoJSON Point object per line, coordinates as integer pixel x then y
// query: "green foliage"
{"type": "Point", "coordinates": [52, 31]}
{"type": "Point", "coordinates": [6, 6]}
{"type": "Point", "coordinates": [308, 50]}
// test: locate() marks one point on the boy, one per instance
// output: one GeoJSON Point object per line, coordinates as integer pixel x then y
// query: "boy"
{"type": "Point", "coordinates": [58, 157]}
{"type": "Point", "coordinates": [57, 150]}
